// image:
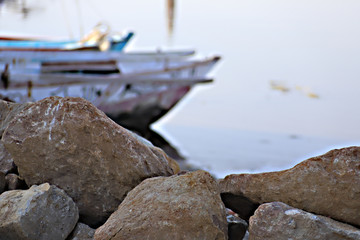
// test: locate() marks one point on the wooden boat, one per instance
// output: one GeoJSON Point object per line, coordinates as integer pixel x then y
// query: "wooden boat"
{"type": "Point", "coordinates": [135, 89]}
{"type": "Point", "coordinates": [27, 57]}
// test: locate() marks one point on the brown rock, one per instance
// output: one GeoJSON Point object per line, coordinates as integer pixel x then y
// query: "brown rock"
{"type": "Point", "coordinates": [158, 152]}
{"type": "Point", "coordinates": [178, 207]}
{"type": "Point", "coordinates": [14, 182]}
{"type": "Point", "coordinates": [278, 221]}
{"type": "Point", "coordinates": [327, 185]}
{"type": "Point", "coordinates": [161, 154]}
{"type": "Point", "coordinates": [7, 164]}
{"type": "Point", "coordinates": [8, 111]}
{"type": "Point", "coordinates": [71, 144]}
{"type": "Point", "coordinates": [41, 213]}
{"type": "Point", "coordinates": [82, 232]}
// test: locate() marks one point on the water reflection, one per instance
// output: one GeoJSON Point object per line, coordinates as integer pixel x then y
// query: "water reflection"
{"type": "Point", "coordinates": [170, 17]}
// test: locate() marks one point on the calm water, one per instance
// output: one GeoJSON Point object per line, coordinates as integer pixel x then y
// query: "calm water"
{"type": "Point", "coordinates": [286, 89]}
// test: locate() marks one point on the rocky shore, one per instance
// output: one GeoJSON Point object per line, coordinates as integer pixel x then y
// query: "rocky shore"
{"type": "Point", "coordinates": [67, 171]}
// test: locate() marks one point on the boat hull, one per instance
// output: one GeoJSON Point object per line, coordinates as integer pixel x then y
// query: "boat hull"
{"type": "Point", "coordinates": [140, 112]}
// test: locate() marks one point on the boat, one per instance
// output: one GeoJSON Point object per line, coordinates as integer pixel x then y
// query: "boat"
{"type": "Point", "coordinates": [134, 89]}
{"type": "Point", "coordinates": [100, 38]}
{"type": "Point", "coordinates": [113, 43]}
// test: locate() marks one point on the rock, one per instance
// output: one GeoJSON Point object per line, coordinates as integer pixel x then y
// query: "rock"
{"type": "Point", "coordinates": [327, 185]}
{"type": "Point", "coordinates": [279, 221]}
{"type": "Point", "coordinates": [41, 213]}
{"type": "Point", "coordinates": [82, 232]}
{"type": "Point", "coordinates": [8, 110]}
{"type": "Point", "coordinates": [7, 164]}
{"type": "Point", "coordinates": [158, 152]}
{"type": "Point", "coordinates": [14, 182]}
{"type": "Point", "coordinates": [178, 207]}
{"type": "Point", "coordinates": [236, 226]}
{"type": "Point", "coordinates": [2, 182]}
{"type": "Point", "coordinates": [68, 142]}
{"type": "Point", "coordinates": [161, 154]}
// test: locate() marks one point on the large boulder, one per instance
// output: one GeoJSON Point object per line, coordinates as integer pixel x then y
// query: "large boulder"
{"type": "Point", "coordinates": [40, 213]}
{"type": "Point", "coordinates": [68, 142]}
{"type": "Point", "coordinates": [327, 185]}
{"type": "Point", "coordinates": [278, 221]}
{"type": "Point", "coordinates": [178, 207]}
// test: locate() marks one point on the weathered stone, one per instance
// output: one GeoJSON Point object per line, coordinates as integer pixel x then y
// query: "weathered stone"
{"type": "Point", "coordinates": [8, 110]}
{"type": "Point", "coordinates": [7, 164]}
{"type": "Point", "coordinates": [158, 152]}
{"type": "Point", "coordinates": [327, 185]}
{"type": "Point", "coordinates": [70, 143]}
{"type": "Point", "coordinates": [278, 221]}
{"type": "Point", "coordinates": [82, 232]}
{"type": "Point", "coordinates": [2, 182]}
{"type": "Point", "coordinates": [41, 213]}
{"type": "Point", "coordinates": [161, 154]}
{"type": "Point", "coordinates": [14, 182]}
{"type": "Point", "coordinates": [178, 207]}
{"type": "Point", "coordinates": [236, 226]}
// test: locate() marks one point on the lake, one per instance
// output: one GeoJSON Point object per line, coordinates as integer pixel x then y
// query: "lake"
{"type": "Point", "coordinates": [286, 89]}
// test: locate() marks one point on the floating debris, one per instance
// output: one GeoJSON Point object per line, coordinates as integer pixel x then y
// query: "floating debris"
{"type": "Point", "coordinates": [307, 91]}
{"type": "Point", "coordinates": [280, 86]}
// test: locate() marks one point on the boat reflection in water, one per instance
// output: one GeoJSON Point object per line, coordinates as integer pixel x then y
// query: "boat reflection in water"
{"type": "Point", "coordinates": [170, 17]}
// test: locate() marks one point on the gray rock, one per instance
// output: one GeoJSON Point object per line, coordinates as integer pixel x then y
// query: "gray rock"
{"type": "Point", "coordinates": [82, 232]}
{"type": "Point", "coordinates": [68, 142]}
{"type": "Point", "coordinates": [278, 221]}
{"type": "Point", "coordinates": [327, 185]}
{"type": "Point", "coordinates": [41, 213]}
{"type": "Point", "coordinates": [7, 164]}
{"type": "Point", "coordinates": [14, 182]}
{"type": "Point", "coordinates": [178, 207]}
